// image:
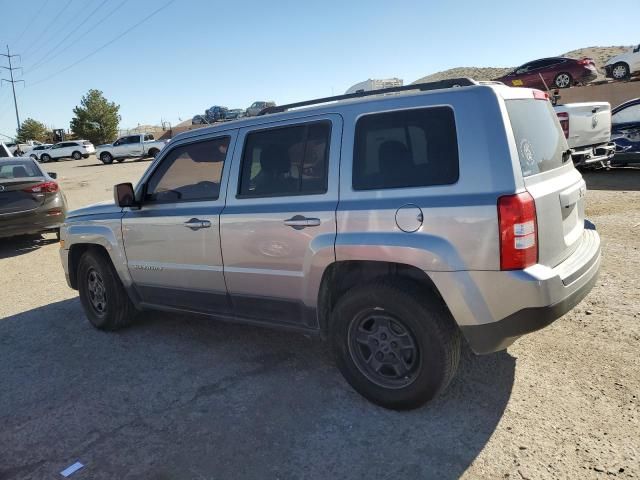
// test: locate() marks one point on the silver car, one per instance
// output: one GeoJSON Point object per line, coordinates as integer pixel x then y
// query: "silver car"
{"type": "Point", "coordinates": [394, 226]}
{"type": "Point", "coordinates": [30, 199]}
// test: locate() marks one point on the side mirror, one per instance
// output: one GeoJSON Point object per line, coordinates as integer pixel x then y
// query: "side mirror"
{"type": "Point", "coordinates": [124, 195]}
{"type": "Point", "coordinates": [53, 175]}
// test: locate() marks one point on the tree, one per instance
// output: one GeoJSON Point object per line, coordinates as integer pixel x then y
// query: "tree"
{"type": "Point", "coordinates": [32, 130]}
{"type": "Point", "coordinates": [96, 119]}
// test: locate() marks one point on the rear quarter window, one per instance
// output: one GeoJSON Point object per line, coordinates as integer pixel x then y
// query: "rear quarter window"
{"type": "Point", "coordinates": [407, 148]}
{"type": "Point", "coordinates": [537, 134]}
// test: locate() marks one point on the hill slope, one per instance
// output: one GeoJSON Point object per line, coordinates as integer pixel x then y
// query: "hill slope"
{"type": "Point", "coordinates": [599, 54]}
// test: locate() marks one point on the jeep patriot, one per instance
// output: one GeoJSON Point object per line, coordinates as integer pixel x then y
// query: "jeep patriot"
{"type": "Point", "coordinates": [394, 226]}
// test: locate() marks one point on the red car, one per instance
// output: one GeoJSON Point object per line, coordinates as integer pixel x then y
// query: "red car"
{"type": "Point", "coordinates": [547, 73]}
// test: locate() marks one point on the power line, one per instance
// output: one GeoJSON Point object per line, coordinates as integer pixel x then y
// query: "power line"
{"type": "Point", "coordinates": [90, 28]}
{"type": "Point", "coordinates": [46, 29]}
{"type": "Point", "coordinates": [105, 45]}
{"type": "Point", "coordinates": [45, 58]}
{"type": "Point", "coordinates": [13, 82]}
{"type": "Point", "coordinates": [33, 20]}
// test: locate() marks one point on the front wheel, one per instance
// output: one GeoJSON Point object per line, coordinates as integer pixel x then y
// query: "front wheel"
{"type": "Point", "coordinates": [620, 71]}
{"type": "Point", "coordinates": [395, 343]}
{"type": "Point", "coordinates": [44, 158]}
{"type": "Point", "coordinates": [104, 300]}
{"type": "Point", "coordinates": [154, 152]}
{"type": "Point", "coordinates": [106, 158]}
{"type": "Point", "coordinates": [563, 80]}
{"type": "Point", "coordinates": [76, 155]}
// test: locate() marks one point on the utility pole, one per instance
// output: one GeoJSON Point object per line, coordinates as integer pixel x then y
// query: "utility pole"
{"type": "Point", "coordinates": [12, 81]}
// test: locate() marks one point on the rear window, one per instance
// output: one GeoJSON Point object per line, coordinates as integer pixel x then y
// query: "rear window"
{"type": "Point", "coordinates": [86, 142]}
{"type": "Point", "coordinates": [407, 148]}
{"type": "Point", "coordinates": [538, 135]}
{"type": "Point", "coordinates": [19, 169]}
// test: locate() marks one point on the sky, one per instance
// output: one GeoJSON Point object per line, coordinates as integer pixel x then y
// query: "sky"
{"type": "Point", "coordinates": [169, 60]}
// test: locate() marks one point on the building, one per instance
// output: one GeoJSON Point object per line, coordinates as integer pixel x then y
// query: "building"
{"type": "Point", "coordinates": [376, 84]}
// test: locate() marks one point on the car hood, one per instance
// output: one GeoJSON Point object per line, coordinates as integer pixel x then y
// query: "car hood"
{"type": "Point", "coordinates": [100, 208]}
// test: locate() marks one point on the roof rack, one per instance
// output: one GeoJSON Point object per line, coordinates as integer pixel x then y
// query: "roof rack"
{"type": "Point", "coordinates": [440, 84]}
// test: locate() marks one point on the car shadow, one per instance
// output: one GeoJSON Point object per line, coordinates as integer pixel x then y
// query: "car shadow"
{"type": "Point", "coordinates": [617, 179]}
{"type": "Point", "coordinates": [14, 246]}
{"type": "Point", "coordinates": [188, 397]}
{"type": "Point", "coordinates": [100, 164]}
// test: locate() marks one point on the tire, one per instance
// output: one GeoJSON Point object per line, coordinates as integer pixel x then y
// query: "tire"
{"type": "Point", "coordinates": [415, 318]}
{"type": "Point", "coordinates": [154, 152]}
{"type": "Point", "coordinates": [620, 71]}
{"type": "Point", "coordinates": [76, 155]}
{"type": "Point", "coordinates": [104, 300]}
{"type": "Point", "coordinates": [106, 158]}
{"type": "Point", "coordinates": [119, 160]}
{"type": "Point", "coordinates": [44, 158]}
{"type": "Point", "coordinates": [33, 157]}
{"type": "Point", "coordinates": [563, 80]}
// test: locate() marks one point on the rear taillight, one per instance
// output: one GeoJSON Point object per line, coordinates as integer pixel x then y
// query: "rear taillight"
{"type": "Point", "coordinates": [518, 231]}
{"type": "Point", "coordinates": [585, 61]}
{"type": "Point", "coordinates": [45, 187]}
{"type": "Point", "coordinates": [54, 212]}
{"type": "Point", "coordinates": [564, 123]}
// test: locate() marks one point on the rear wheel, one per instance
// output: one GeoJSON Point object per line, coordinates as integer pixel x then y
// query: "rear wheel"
{"type": "Point", "coordinates": [102, 295]}
{"type": "Point", "coordinates": [106, 158]}
{"type": "Point", "coordinates": [33, 156]}
{"type": "Point", "coordinates": [154, 152]}
{"type": "Point", "coordinates": [44, 158]}
{"type": "Point", "coordinates": [76, 155]}
{"type": "Point", "coordinates": [563, 80]}
{"type": "Point", "coordinates": [396, 344]}
{"type": "Point", "coordinates": [620, 71]}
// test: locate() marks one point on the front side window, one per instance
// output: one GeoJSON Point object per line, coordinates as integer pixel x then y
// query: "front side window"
{"type": "Point", "coordinates": [286, 161]}
{"type": "Point", "coordinates": [189, 173]}
{"type": "Point", "coordinates": [134, 139]}
{"type": "Point", "coordinates": [407, 148]}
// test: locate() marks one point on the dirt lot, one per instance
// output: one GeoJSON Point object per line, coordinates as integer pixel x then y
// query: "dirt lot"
{"type": "Point", "coordinates": [178, 397]}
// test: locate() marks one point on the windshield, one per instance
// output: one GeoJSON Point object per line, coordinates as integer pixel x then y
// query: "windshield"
{"type": "Point", "coordinates": [538, 135]}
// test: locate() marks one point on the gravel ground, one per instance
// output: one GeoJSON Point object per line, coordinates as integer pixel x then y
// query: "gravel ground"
{"type": "Point", "coordinates": [177, 397]}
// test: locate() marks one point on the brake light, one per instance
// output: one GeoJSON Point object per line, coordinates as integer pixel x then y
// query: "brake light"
{"type": "Point", "coordinates": [54, 212]}
{"type": "Point", "coordinates": [540, 95]}
{"type": "Point", "coordinates": [518, 231]}
{"type": "Point", "coordinates": [45, 187]}
{"type": "Point", "coordinates": [564, 123]}
{"type": "Point", "coordinates": [585, 61]}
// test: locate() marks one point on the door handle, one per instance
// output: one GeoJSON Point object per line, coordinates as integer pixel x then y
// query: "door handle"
{"type": "Point", "coordinates": [197, 224]}
{"type": "Point", "coordinates": [299, 222]}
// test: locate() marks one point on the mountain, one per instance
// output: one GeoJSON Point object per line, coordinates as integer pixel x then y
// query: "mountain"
{"type": "Point", "coordinates": [599, 54]}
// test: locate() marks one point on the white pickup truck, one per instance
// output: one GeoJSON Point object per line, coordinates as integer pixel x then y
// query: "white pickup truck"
{"type": "Point", "coordinates": [131, 146]}
{"type": "Point", "coordinates": [587, 127]}
{"type": "Point", "coordinates": [22, 149]}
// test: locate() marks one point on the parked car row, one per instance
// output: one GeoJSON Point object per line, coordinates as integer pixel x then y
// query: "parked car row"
{"type": "Point", "coordinates": [75, 149]}
{"type": "Point", "coordinates": [562, 72]}
{"type": "Point", "coordinates": [218, 113]}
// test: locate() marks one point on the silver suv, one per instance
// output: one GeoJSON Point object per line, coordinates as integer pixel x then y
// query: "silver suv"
{"type": "Point", "coordinates": [392, 225]}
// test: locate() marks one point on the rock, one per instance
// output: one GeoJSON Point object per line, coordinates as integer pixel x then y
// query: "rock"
{"type": "Point", "coordinates": [598, 469]}
{"type": "Point", "coordinates": [589, 312]}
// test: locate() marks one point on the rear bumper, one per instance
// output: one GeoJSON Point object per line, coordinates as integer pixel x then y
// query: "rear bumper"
{"type": "Point", "coordinates": [14, 230]}
{"type": "Point", "coordinates": [494, 308]}
{"type": "Point", "coordinates": [589, 76]}
{"type": "Point", "coordinates": [593, 154]}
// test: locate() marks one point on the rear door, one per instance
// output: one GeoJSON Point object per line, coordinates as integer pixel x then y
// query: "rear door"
{"type": "Point", "coordinates": [550, 177]}
{"type": "Point", "coordinates": [134, 146]}
{"type": "Point", "coordinates": [279, 227]}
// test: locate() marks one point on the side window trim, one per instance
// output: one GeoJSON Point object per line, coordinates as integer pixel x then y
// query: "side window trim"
{"type": "Point", "coordinates": [290, 124]}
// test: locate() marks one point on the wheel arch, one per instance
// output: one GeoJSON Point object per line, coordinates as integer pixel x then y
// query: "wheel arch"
{"type": "Point", "coordinates": [341, 276]}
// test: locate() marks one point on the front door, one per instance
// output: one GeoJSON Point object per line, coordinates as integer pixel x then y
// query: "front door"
{"type": "Point", "coordinates": [278, 227]}
{"type": "Point", "coordinates": [172, 242]}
